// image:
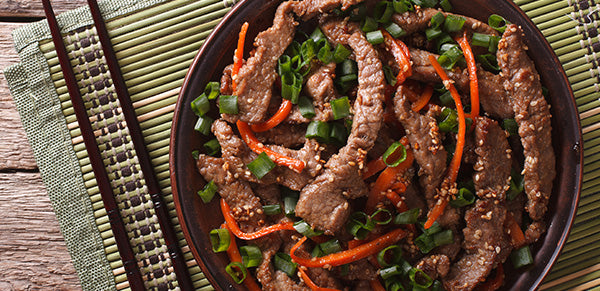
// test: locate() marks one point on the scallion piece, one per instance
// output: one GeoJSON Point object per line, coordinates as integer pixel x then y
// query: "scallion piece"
{"type": "Point", "coordinates": [489, 62]}
{"type": "Point", "coordinates": [283, 262]}
{"type": "Point", "coordinates": [497, 22]}
{"type": "Point", "coordinates": [390, 272]}
{"type": "Point", "coordinates": [293, 49]}
{"type": "Point", "coordinates": [425, 243]}
{"type": "Point", "coordinates": [318, 130]}
{"type": "Point", "coordinates": [396, 152]}
{"type": "Point", "coordinates": [200, 105]}
{"type": "Point", "coordinates": [251, 256]}
{"type": "Point", "coordinates": [443, 39]}
{"type": "Point", "coordinates": [208, 192]}
{"type": "Point", "coordinates": [340, 53]}
{"type": "Point", "coordinates": [437, 20]}
{"type": "Point", "coordinates": [446, 99]}
{"type": "Point", "coordinates": [383, 11]}
{"type": "Point", "coordinates": [453, 23]}
{"type": "Point", "coordinates": [385, 221]}
{"type": "Point", "coordinates": [308, 51]}
{"type": "Point", "coordinates": [443, 238]}
{"type": "Point", "coordinates": [347, 67]}
{"type": "Point", "coordinates": [330, 247]}
{"type": "Point", "coordinates": [511, 126]}
{"type": "Point", "coordinates": [419, 278]}
{"type": "Point", "coordinates": [446, 6]}
{"type": "Point", "coordinates": [338, 133]}
{"type": "Point", "coordinates": [450, 55]}
{"type": "Point", "coordinates": [494, 43]}
{"type": "Point", "coordinates": [284, 65]}
{"type": "Point", "coordinates": [521, 257]}
{"type": "Point", "coordinates": [360, 224]}
{"type": "Point", "coordinates": [464, 198]}
{"type": "Point", "coordinates": [433, 33]}
{"type": "Point", "coordinates": [425, 3]}
{"type": "Point", "coordinates": [237, 271]}
{"type": "Point", "coordinates": [407, 217]}
{"type": "Point", "coordinates": [395, 30]}
{"type": "Point", "coordinates": [435, 228]}
{"type": "Point", "coordinates": [317, 35]}
{"type": "Point", "coordinates": [448, 120]}
{"type": "Point", "coordinates": [297, 64]}
{"type": "Point", "coordinates": [195, 154]}
{"type": "Point", "coordinates": [389, 256]}
{"type": "Point", "coordinates": [324, 55]}
{"type": "Point", "coordinates": [389, 75]}
{"type": "Point", "coordinates": [375, 37]}
{"type": "Point", "coordinates": [272, 209]}
{"type": "Point", "coordinates": [401, 6]}
{"type": "Point", "coordinates": [212, 90]}
{"type": "Point", "coordinates": [316, 252]}
{"type": "Point", "coordinates": [228, 104]}
{"type": "Point", "coordinates": [305, 229]}
{"type": "Point", "coordinates": [340, 107]}
{"type": "Point", "coordinates": [306, 107]}
{"type": "Point", "coordinates": [219, 239]}
{"type": "Point", "coordinates": [346, 82]}
{"type": "Point", "coordinates": [369, 24]}
{"type": "Point", "coordinates": [394, 284]}
{"type": "Point", "coordinates": [290, 199]}
{"type": "Point", "coordinates": [516, 185]}
{"type": "Point", "coordinates": [291, 85]}
{"type": "Point", "coordinates": [480, 39]}
{"type": "Point", "coordinates": [357, 12]}
{"type": "Point", "coordinates": [261, 165]}
{"type": "Point", "coordinates": [203, 124]}
{"type": "Point", "coordinates": [212, 147]}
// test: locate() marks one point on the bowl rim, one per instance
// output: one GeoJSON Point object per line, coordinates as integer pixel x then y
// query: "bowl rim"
{"type": "Point", "coordinates": [578, 142]}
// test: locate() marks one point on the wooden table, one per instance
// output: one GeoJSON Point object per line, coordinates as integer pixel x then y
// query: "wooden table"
{"type": "Point", "coordinates": [33, 254]}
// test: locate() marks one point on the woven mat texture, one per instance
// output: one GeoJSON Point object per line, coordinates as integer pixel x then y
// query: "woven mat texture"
{"type": "Point", "coordinates": [155, 42]}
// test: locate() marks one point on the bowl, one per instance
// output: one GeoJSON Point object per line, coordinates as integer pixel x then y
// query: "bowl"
{"type": "Point", "coordinates": [197, 218]}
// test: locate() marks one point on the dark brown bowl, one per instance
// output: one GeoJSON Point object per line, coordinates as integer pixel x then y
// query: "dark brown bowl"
{"type": "Point", "coordinates": [197, 218]}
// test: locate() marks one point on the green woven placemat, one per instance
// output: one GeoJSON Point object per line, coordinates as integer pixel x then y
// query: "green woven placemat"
{"type": "Point", "coordinates": [155, 42]}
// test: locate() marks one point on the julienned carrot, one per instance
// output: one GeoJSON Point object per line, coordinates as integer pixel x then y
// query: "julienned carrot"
{"type": "Point", "coordinates": [493, 283]}
{"type": "Point", "coordinates": [234, 256]}
{"type": "Point", "coordinates": [452, 172]}
{"type": "Point", "coordinates": [516, 234]}
{"type": "Point", "coordinates": [373, 167]}
{"type": "Point", "coordinates": [312, 284]}
{"type": "Point", "coordinates": [235, 229]}
{"type": "Point", "coordinates": [423, 99]}
{"type": "Point", "coordinates": [401, 54]}
{"type": "Point", "coordinates": [257, 147]}
{"type": "Point", "coordinates": [351, 255]}
{"type": "Point", "coordinates": [239, 54]}
{"type": "Point", "coordinates": [396, 201]}
{"type": "Point", "coordinates": [472, 69]}
{"type": "Point", "coordinates": [376, 285]}
{"type": "Point", "coordinates": [279, 116]}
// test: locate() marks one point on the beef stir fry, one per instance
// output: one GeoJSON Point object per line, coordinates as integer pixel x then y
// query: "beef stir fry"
{"type": "Point", "coordinates": [384, 145]}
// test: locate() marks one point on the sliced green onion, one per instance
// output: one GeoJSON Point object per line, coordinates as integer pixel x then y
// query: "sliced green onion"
{"type": "Point", "coordinates": [228, 104]}
{"type": "Point", "coordinates": [212, 90]}
{"type": "Point", "coordinates": [494, 43]}
{"type": "Point", "coordinates": [272, 209]}
{"type": "Point", "coordinates": [435, 228]}
{"type": "Point", "coordinates": [453, 23]}
{"type": "Point", "coordinates": [196, 154]}
{"type": "Point", "coordinates": [446, 6]}
{"type": "Point", "coordinates": [480, 39]}
{"type": "Point", "coordinates": [394, 284]}
{"type": "Point", "coordinates": [237, 271]}
{"type": "Point", "coordinates": [448, 120]}
{"type": "Point", "coordinates": [451, 54]}
{"type": "Point", "coordinates": [316, 252]}
{"type": "Point", "coordinates": [405, 267]}
{"type": "Point", "coordinates": [390, 272]}
{"type": "Point", "coordinates": [284, 65]}
{"type": "Point", "coordinates": [308, 51]}
{"type": "Point", "coordinates": [381, 222]}
{"type": "Point", "coordinates": [401, 6]}
{"type": "Point", "coordinates": [397, 151]}
{"type": "Point", "coordinates": [318, 130]}
{"type": "Point", "coordinates": [291, 85]}
{"type": "Point", "coordinates": [305, 229]}
{"type": "Point", "coordinates": [395, 30]}
{"type": "Point", "coordinates": [346, 82]}
{"type": "Point", "coordinates": [251, 256]}
{"type": "Point", "coordinates": [290, 199]}
{"type": "Point", "coordinates": [283, 262]}
{"type": "Point", "coordinates": [389, 75]}
{"type": "Point", "coordinates": [347, 67]}
{"type": "Point", "coordinates": [200, 105]}
{"type": "Point", "coordinates": [219, 239]}
{"type": "Point", "coordinates": [340, 107]}
{"type": "Point", "coordinates": [464, 198]}
{"type": "Point", "coordinates": [324, 55]}
{"type": "Point", "coordinates": [511, 126]}
{"type": "Point", "coordinates": [407, 217]}
{"type": "Point", "coordinates": [203, 124]}
{"type": "Point", "coordinates": [357, 12]}
{"type": "Point", "coordinates": [488, 62]}
{"type": "Point", "coordinates": [425, 3]}
{"type": "Point", "coordinates": [261, 165]}
{"type": "Point", "coordinates": [446, 99]}
{"type": "Point", "coordinates": [437, 20]}
{"type": "Point", "coordinates": [383, 11]}
{"type": "Point", "coordinates": [443, 39]}
{"type": "Point", "coordinates": [425, 243]}
{"type": "Point", "coordinates": [208, 192]}
{"type": "Point", "coordinates": [293, 49]}
{"type": "Point", "coordinates": [521, 257]}
{"type": "Point", "coordinates": [375, 37]}
{"type": "Point", "coordinates": [419, 278]}
{"type": "Point", "coordinates": [433, 33]}
{"type": "Point", "coordinates": [297, 64]}
{"type": "Point", "coordinates": [390, 256]}
{"type": "Point", "coordinates": [306, 107]}
{"type": "Point", "coordinates": [369, 24]}
{"type": "Point", "coordinates": [443, 238]}
{"type": "Point", "coordinates": [516, 185]}
{"type": "Point", "coordinates": [497, 22]}
{"type": "Point", "coordinates": [212, 147]}
{"type": "Point", "coordinates": [330, 247]}
{"type": "Point", "coordinates": [317, 35]}
{"type": "Point", "coordinates": [340, 53]}
{"type": "Point", "coordinates": [338, 133]}
{"type": "Point", "coordinates": [359, 225]}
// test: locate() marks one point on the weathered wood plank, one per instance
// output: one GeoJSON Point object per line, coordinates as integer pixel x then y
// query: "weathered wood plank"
{"type": "Point", "coordinates": [29, 8]}
{"type": "Point", "coordinates": [15, 152]}
{"type": "Point", "coordinates": [32, 248]}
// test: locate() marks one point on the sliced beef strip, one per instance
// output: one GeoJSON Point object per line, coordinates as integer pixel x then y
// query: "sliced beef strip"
{"type": "Point", "coordinates": [308, 9]}
{"type": "Point", "coordinates": [321, 89]}
{"type": "Point", "coordinates": [493, 98]}
{"type": "Point", "coordinates": [450, 250]}
{"type": "Point", "coordinates": [534, 231]}
{"type": "Point", "coordinates": [419, 19]}
{"type": "Point", "coordinates": [323, 202]}
{"type": "Point", "coordinates": [285, 135]}
{"type": "Point", "coordinates": [358, 270]}
{"type": "Point", "coordinates": [532, 114]}
{"type": "Point", "coordinates": [268, 194]}
{"type": "Point", "coordinates": [425, 141]}
{"type": "Point", "coordinates": [469, 271]}
{"type": "Point", "coordinates": [226, 81]}
{"type": "Point", "coordinates": [435, 266]}
{"type": "Point", "coordinates": [492, 169]}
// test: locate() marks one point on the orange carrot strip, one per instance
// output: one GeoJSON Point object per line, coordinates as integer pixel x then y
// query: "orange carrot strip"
{"type": "Point", "coordinates": [312, 284]}
{"type": "Point", "coordinates": [239, 54]}
{"type": "Point", "coordinates": [436, 212]}
{"type": "Point", "coordinates": [401, 54]}
{"type": "Point", "coordinates": [472, 69]}
{"type": "Point", "coordinates": [423, 99]}
{"type": "Point", "coordinates": [516, 234]}
{"type": "Point", "coordinates": [234, 256]}
{"type": "Point", "coordinates": [235, 229]}
{"type": "Point", "coordinates": [376, 285]}
{"type": "Point", "coordinates": [257, 147]}
{"type": "Point", "coordinates": [351, 255]}
{"type": "Point", "coordinates": [396, 201]}
{"type": "Point", "coordinates": [279, 116]}
{"type": "Point", "coordinates": [493, 283]}
{"type": "Point", "coordinates": [373, 167]}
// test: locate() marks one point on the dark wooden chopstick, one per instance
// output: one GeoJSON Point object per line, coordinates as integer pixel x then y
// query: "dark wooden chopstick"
{"type": "Point", "coordinates": [179, 264]}
{"type": "Point", "coordinates": [110, 204]}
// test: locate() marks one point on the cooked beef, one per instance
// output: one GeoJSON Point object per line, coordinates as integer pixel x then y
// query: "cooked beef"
{"type": "Point", "coordinates": [451, 250]}
{"type": "Point", "coordinates": [265, 273]}
{"type": "Point", "coordinates": [425, 141]}
{"type": "Point", "coordinates": [469, 271]}
{"type": "Point", "coordinates": [419, 19]}
{"type": "Point", "coordinates": [226, 81]}
{"type": "Point", "coordinates": [308, 9]}
{"type": "Point", "coordinates": [310, 153]}
{"type": "Point", "coordinates": [414, 199]}
{"type": "Point", "coordinates": [321, 89]}
{"type": "Point", "coordinates": [469, 156]}
{"type": "Point", "coordinates": [285, 135]}
{"type": "Point", "coordinates": [358, 270]}
{"type": "Point", "coordinates": [532, 113]}
{"type": "Point", "coordinates": [492, 170]}
{"type": "Point", "coordinates": [362, 285]}
{"type": "Point", "coordinates": [534, 231]}
{"type": "Point", "coordinates": [284, 283]}
{"type": "Point", "coordinates": [324, 278]}
{"type": "Point", "coordinates": [383, 141]}
{"type": "Point", "coordinates": [435, 266]}
{"type": "Point", "coordinates": [268, 194]}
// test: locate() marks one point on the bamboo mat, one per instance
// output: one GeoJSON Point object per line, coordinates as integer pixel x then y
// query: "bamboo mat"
{"type": "Point", "coordinates": [155, 42]}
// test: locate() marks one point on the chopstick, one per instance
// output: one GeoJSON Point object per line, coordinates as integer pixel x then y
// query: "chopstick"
{"type": "Point", "coordinates": [179, 264]}
{"type": "Point", "coordinates": [110, 204]}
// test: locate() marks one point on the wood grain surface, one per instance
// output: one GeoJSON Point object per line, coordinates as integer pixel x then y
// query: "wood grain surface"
{"type": "Point", "coordinates": [32, 249]}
